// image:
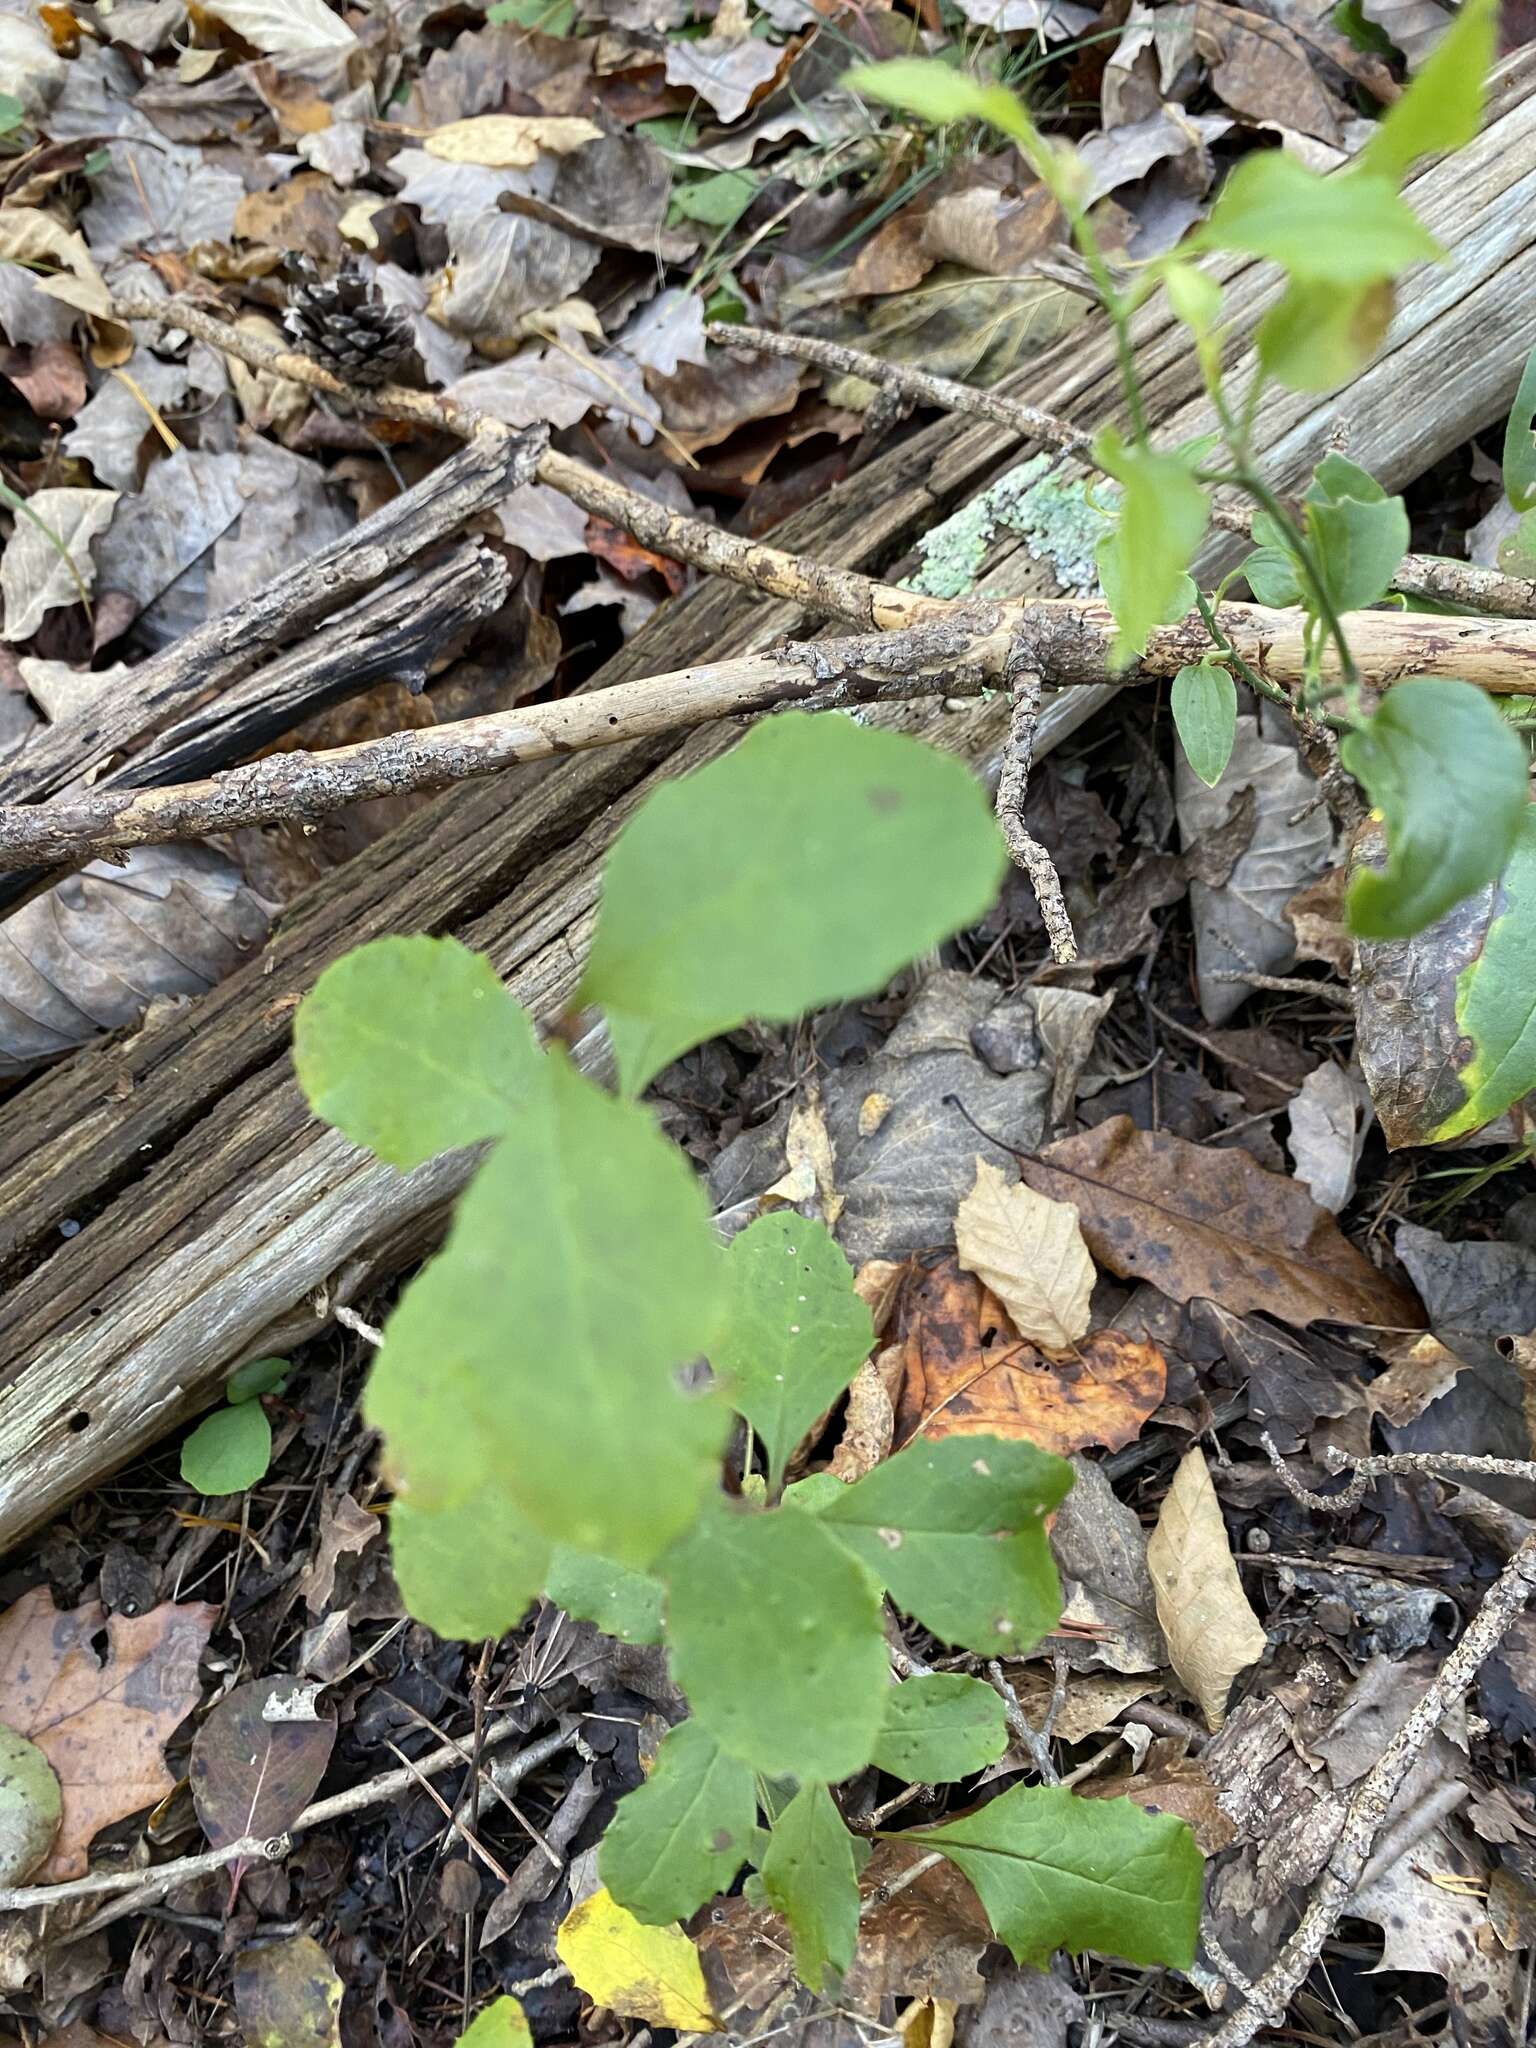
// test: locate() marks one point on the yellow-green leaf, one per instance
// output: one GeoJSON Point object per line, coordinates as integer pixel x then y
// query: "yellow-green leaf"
{"type": "Point", "coordinates": [501, 2024]}
{"type": "Point", "coordinates": [644, 1973]}
{"type": "Point", "coordinates": [1443, 106]}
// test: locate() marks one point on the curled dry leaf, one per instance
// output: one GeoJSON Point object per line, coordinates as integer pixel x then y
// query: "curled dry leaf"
{"type": "Point", "coordinates": [41, 570]}
{"type": "Point", "coordinates": [1195, 1222]}
{"type": "Point", "coordinates": [968, 1373]}
{"type": "Point", "coordinates": [1419, 1370]}
{"type": "Point", "coordinates": [1029, 1250]}
{"type": "Point", "coordinates": [101, 1724]}
{"type": "Point", "coordinates": [1212, 1632]}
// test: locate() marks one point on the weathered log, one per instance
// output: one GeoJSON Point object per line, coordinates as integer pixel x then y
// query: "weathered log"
{"type": "Point", "coordinates": [220, 1220]}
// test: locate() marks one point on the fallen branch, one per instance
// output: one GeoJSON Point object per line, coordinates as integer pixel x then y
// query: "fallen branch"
{"type": "Point", "coordinates": [1024, 850]}
{"type": "Point", "coordinates": [959, 652]}
{"type": "Point", "coordinates": [1265, 2004]}
{"type": "Point", "coordinates": [1431, 576]}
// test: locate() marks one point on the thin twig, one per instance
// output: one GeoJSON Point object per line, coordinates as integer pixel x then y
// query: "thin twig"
{"type": "Point", "coordinates": [1363, 1471]}
{"type": "Point", "coordinates": [151, 1884]}
{"type": "Point", "coordinates": [1024, 849]}
{"type": "Point", "coordinates": [1021, 1728]}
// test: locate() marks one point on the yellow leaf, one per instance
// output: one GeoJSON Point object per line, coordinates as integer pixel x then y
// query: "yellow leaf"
{"type": "Point", "coordinates": [1029, 1250]}
{"type": "Point", "coordinates": [645, 1973]}
{"type": "Point", "coordinates": [1212, 1631]}
{"type": "Point", "coordinates": [507, 142]}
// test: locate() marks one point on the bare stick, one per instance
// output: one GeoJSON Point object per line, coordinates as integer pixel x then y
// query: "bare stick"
{"type": "Point", "coordinates": [834, 593]}
{"type": "Point", "coordinates": [151, 1884]}
{"type": "Point", "coordinates": [1364, 1470]}
{"type": "Point", "coordinates": [1482, 590]}
{"type": "Point", "coordinates": [1024, 850]}
{"type": "Point", "coordinates": [1035, 1740]}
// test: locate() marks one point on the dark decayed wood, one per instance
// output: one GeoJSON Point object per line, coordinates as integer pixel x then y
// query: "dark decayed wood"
{"type": "Point", "coordinates": [219, 1219]}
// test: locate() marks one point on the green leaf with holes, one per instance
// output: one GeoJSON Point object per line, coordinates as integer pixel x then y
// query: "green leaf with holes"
{"type": "Point", "coordinates": [1144, 563]}
{"type": "Point", "coordinates": [1496, 1000]}
{"type": "Point", "coordinates": [541, 1347]}
{"type": "Point", "coordinates": [955, 1531]}
{"type": "Point", "coordinates": [412, 1047]}
{"type": "Point", "coordinates": [940, 1727]}
{"type": "Point", "coordinates": [681, 1836]}
{"type": "Point", "coordinates": [774, 1635]}
{"type": "Point", "coordinates": [794, 1332]}
{"type": "Point", "coordinates": [1204, 704]}
{"type": "Point", "coordinates": [229, 1450]}
{"type": "Point", "coordinates": [804, 868]}
{"type": "Point", "coordinates": [1449, 777]}
{"type": "Point", "coordinates": [1054, 1871]}
{"type": "Point", "coordinates": [811, 1876]}
{"type": "Point", "coordinates": [470, 1570]}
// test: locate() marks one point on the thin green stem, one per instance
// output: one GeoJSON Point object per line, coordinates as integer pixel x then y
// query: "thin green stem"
{"type": "Point", "coordinates": [1261, 684]}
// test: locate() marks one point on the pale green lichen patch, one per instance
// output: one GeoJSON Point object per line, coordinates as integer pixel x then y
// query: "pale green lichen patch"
{"type": "Point", "coordinates": [1053, 516]}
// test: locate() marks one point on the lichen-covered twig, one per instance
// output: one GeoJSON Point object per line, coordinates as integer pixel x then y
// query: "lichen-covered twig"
{"type": "Point", "coordinates": [1363, 1471]}
{"type": "Point", "coordinates": [1024, 849]}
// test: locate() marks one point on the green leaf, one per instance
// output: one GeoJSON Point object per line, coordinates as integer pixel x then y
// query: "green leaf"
{"type": "Point", "coordinates": [940, 93]}
{"type": "Point", "coordinates": [955, 1531]}
{"type": "Point", "coordinates": [1443, 106]}
{"type": "Point", "coordinates": [1143, 564]}
{"type": "Point", "coordinates": [717, 201]}
{"type": "Point", "coordinates": [621, 1602]}
{"type": "Point", "coordinates": [1351, 230]}
{"type": "Point", "coordinates": [1520, 442]}
{"type": "Point", "coordinates": [31, 1806]}
{"type": "Point", "coordinates": [1496, 1000]}
{"type": "Point", "coordinates": [1055, 1872]}
{"type": "Point", "coordinates": [1449, 777]}
{"type": "Point", "coordinates": [941, 1727]}
{"type": "Point", "coordinates": [503, 2023]}
{"type": "Point", "coordinates": [682, 1835]}
{"type": "Point", "coordinates": [811, 1876]}
{"type": "Point", "coordinates": [12, 113]}
{"type": "Point", "coordinates": [228, 1451]}
{"type": "Point", "coordinates": [549, 17]}
{"type": "Point", "coordinates": [850, 850]}
{"type": "Point", "coordinates": [795, 1333]}
{"type": "Point", "coordinates": [471, 1570]}
{"type": "Point", "coordinates": [1517, 551]}
{"type": "Point", "coordinates": [1361, 534]}
{"type": "Point", "coordinates": [1271, 576]}
{"type": "Point", "coordinates": [1318, 335]}
{"type": "Point", "coordinates": [412, 1047]}
{"type": "Point", "coordinates": [542, 1344]}
{"type": "Point", "coordinates": [256, 1377]}
{"type": "Point", "coordinates": [775, 1637]}
{"type": "Point", "coordinates": [1204, 700]}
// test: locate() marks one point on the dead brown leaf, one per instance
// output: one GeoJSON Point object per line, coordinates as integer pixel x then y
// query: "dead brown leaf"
{"type": "Point", "coordinates": [1212, 1632]}
{"type": "Point", "coordinates": [50, 377]}
{"type": "Point", "coordinates": [1029, 1250]}
{"type": "Point", "coordinates": [304, 213]}
{"type": "Point", "coordinates": [101, 1725]}
{"type": "Point", "coordinates": [626, 556]}
{"type": "Point", "coordinates": [1181, 1786]}
{"type": "Point", "coordinates": [1094, 1700]}
{"type": "Point", "coordinates": [1316, 915]}
{"type": "Point", "coordinates": [1261, 69]}
{"type": "Point", "coordinates": [969, 1372]}
{"type": "Point", "coordinates": [1195, 1222]}
{"type": "Point", "coordinates": [1419, 1370]}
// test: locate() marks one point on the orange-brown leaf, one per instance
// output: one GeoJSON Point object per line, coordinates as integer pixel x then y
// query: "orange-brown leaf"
{"type": "Point", "coordinates": [969, 1373]}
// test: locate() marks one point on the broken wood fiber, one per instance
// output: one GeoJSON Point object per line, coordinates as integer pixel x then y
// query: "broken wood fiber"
{"type": "Point", "coordinates": [220, 1220]}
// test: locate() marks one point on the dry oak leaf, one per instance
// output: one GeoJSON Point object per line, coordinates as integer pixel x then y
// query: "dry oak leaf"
{"type": "Point", "coordinates": [968, 1373]}
{"type": "Point", "coordinates": [100, 1725]}
{"type": "Point", "coordinates": [1212, 1632]}
{"type": "Point", "coordinates": [1198, 1222]}
{"type": "Point", "coordinates": [1029, 1250]}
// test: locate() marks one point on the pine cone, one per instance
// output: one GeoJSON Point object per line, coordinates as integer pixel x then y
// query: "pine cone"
{"type": "Point", "coordinates": [344, 324]}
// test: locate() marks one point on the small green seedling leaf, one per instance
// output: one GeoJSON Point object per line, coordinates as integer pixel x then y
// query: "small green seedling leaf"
{"type": "Point", "coordinates": [682, 1835]}
{"type": "Point", "coordinates": [31, 1806]}
{"type": "Point", "coordinates": [471, 1569]}
{"type": "Point", "coordinates": [228, 1451]}
{"type": "Point", "coordinates": [1054, 1871]}
{"type": "Point", "coordinates": [541, 1346]}
{"type": "Point", "coordinates": [503, 2023]}
{"type": "Point", "coordinates": [1520, 442]}
{"type": "Point", "coordinates": [412, 1047]}
{"type": "Point", "coordinates": [1496, 1000]}
{"type": "Point", "coordinates": [811, 1876]}
{"type": "Point", "coordinates": [12, 113]}
{"type": "Point", "coordinates": [716, 201]}
{"type": "Point", "coordinates": [865, 847]}
{"type": "Point", "coordinates": [794, 1332]}
{"type": "Point", "coordinates": [621, 1602]}
{"type": "Point", "coordinates": [1360, 534]}
{"type": "Point", "coordinates": [256, 1377]}
{"type": "Point", "coordinates": [1351, 230]}
{"type": "Point", "coordinates": [941, 1727]}
{"type": "Point", "coordinates": [955, 1531]}
{"type": "Point", "coordinates": [1443, 106]}
{"type": "Point", "coordinates": [1143, 564]}
{"type": "Point", "coordinates": [775, 1637]}
{"type": "Point", "coordinates": [1204, 700]}
{"type": "Point", "coordinates": [1449, 777]}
